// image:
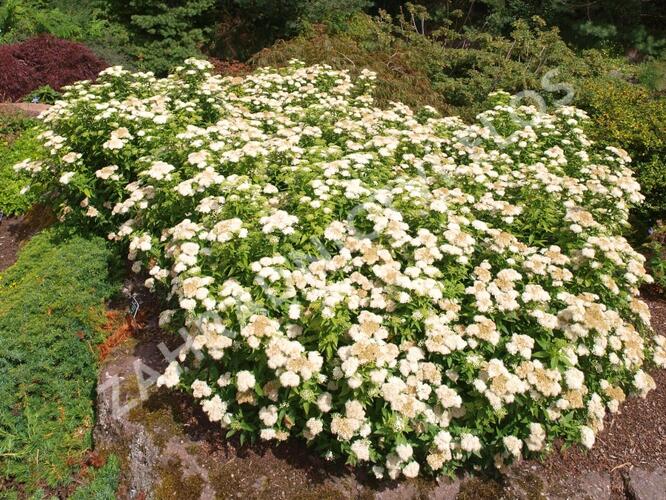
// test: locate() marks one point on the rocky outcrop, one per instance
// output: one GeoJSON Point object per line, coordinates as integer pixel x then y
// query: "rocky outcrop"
{"type": "Point", "coordinates": [647, 483]}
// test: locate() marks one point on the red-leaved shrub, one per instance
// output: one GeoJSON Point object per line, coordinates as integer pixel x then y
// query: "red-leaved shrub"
{"type": "Point", "coordinates": [44, 60]}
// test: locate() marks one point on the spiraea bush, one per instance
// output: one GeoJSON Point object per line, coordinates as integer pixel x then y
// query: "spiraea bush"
{"type": "Point", "coordinates": [399, 289]}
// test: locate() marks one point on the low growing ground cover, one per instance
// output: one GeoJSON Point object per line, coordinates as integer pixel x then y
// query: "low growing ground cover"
{"type": "Point", "coordinates": [397, 288]}
{"type": "Point", "coordinates": [103, 482]}
{"type": "Point", "coordinates": [51, 308]}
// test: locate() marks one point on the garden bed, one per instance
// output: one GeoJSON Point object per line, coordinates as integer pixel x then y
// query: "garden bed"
{"type": "Point", "coordinates": [464, 297]}
{"type": "Point", "coordinates": [408, 292]}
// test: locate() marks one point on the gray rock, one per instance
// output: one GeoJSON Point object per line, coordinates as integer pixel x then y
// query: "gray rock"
{"type": "Point", "coordinates": [116, 433]}
{"type": "Point", "coordinates": [399, 491]}
{"type": "Point", "coordinates": [446, 489]}
{"type": "Point", "coordinates": [153, 456]}
{"type": "Point", "coordinates": [587, 486]}
{"type": "Point", "coordinates": [646, 483]}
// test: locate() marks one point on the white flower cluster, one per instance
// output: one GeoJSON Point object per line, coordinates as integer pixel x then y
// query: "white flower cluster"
{"type": "Point", "coordinates": [397, 288]}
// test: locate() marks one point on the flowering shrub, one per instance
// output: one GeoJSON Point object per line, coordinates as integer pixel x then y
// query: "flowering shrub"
{"type": "Point", "coordinates": [396, 288]}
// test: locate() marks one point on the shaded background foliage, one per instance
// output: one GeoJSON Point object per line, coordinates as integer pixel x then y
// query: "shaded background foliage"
{"type": "Point", "coordinates": [163, 32]}
{"type": "Point", "coordinates": [154, 34]}
{"type": "Point", "coordinates": [637, 24]}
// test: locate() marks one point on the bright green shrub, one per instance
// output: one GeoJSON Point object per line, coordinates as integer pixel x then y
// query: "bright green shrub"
{"type": "Point", "coordinates": [628, 116]}
{"type": "Point", "coordinates": [16, 141]}
{"type": "Point", "coordinates": [51, 305]}
{"type": "Point", "coordinates": [44, 94]}
{"type": "Point", "coordinates": [20, 19]}
{"type": "Point", "coordinates": [11, 124]}
{"type": "Point", "coordinates": [16, 21]}
{"type": "Point", "coordinates": [399, 289]}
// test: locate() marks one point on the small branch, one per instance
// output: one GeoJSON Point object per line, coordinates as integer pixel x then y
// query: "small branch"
{"type": "Point", "coordinates": [620, 466]}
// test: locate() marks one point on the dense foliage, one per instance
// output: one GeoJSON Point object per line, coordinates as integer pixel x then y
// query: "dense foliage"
{"type": "Point", "coordinates": [50, 311]}
{"type": "Point", "coordinates": [156, 34]}
{"type": "Point", "coordinates": [630, 24]}
{"type": "Point", "coordinates": [396, 288]}
{"type": "Point", "coordinates": [164, 32]}
{"type": "Point", "coordinates": [103, 484]}
{"type": "Point", "coordinates": [452, 70]}
{"type": "Point", "coordinates": [16, 142]}
{"type": "Point", "coordinates": [44, 60]}
{"type": "Point", "coordinates": [450, 55]}
{"type": "Point", "coordinates": [655, 247]}
{"type": "Point", "coordinates": [86, 21]}
{"type": "Point", "coordinates": [246, 26]}
{"type": "Point", "coordinates": [633, 118]}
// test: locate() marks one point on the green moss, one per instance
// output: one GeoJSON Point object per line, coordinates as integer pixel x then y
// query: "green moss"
{"type": "Point", "coordinates": [174, 484]}
{"type": "Point", "coordinates": [157, 416]}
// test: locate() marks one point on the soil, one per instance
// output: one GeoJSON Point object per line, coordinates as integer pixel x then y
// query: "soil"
{"type": "Point", "coordinates": [15, 231]}
{"type": "Point", "coordinates": [12, 235]}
